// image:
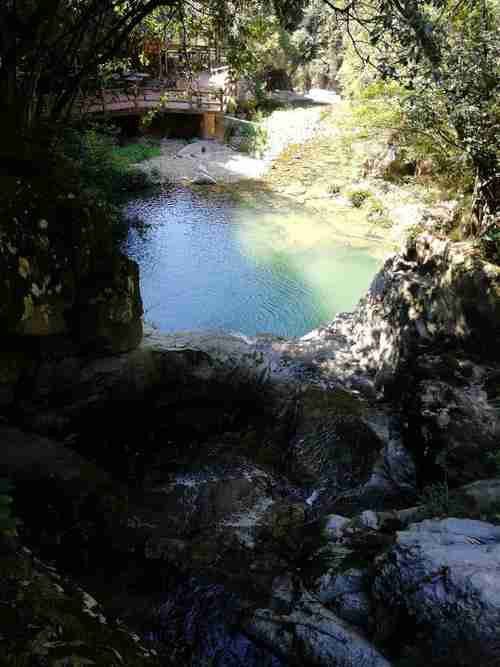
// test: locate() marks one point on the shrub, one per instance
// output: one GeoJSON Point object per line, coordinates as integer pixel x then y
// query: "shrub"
{"type": "Point", "coordinates": [105, 168]}
{"type": "Point", "coordinates": [253, 139]}
{"type": "Point", "coordinates": [490, 242]}
{"type": "Point", "coordinates": [358, 197]}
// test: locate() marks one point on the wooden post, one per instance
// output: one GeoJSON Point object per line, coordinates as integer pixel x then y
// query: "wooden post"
{"type": "Point", "coordinates": [219, 126]}
{"type": "Point", "coordinates": [208, 125]}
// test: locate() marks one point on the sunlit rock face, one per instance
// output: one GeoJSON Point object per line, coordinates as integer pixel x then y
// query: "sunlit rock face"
{"type": "Point", "coordinates": [312, 634]}
{"type": "Point", "coordinates": [443, 575]}
{"type": "Point", "coordinates": [433, 291]}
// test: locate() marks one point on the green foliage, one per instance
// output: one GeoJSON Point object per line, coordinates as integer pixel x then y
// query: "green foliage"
{"type": "Point", "coordinates": [137, 151]}
{"type": "Point", "coordinates": [490, 242]}
{"type": "Point", "coordinates": [252, 139]}
{"type": "Point", "coordinates": [358, 197]}
{"type": "Point", "coordinates": [7, 520]}
{"type": "Point", "coordinates": [105, 168]}
{"type": "Point", "coordinates": [429, 81]}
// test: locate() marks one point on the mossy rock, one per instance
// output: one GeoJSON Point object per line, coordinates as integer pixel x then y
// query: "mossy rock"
{"type": "Point", "coordinates": [109, 312]}
{"type": "Point", "coordinates": [316, 403]}
{"type": "Point", "coordinates": [332, 444]}
{"type": "Point", "coordinates": [58, 260]}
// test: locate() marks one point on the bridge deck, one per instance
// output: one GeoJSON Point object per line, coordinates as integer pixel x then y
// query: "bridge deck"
{"type": "Point", "coordinates": [137, 99]}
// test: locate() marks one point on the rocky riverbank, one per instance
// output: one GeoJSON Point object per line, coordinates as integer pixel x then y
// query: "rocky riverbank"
{"type": "Point", "coordinates": [247, 155]}
{"type": "Point", "coordinates": [303, 486]}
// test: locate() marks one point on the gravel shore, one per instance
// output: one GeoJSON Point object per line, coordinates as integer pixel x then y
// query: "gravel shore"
{"type": "Point", "coordinates": [211, 160]}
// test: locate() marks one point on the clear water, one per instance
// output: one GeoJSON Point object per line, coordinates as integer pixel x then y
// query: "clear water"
{"type": "Point", "coordinates": [208, 263]}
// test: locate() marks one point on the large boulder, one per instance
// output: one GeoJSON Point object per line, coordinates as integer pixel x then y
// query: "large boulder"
{"type": "Point", "coordinates": [347, 593]}
{"type": "Point", "coordinates": [108, 313]}
{"type": "Point", "coordinates": [187, 379]}
{"type": "Point", "coordinates": [434, 289]}
{"type": "Point", "coordinates": [333, 448]}
{"type": "Point", "coordinates": [442, 578]}
{"type": "Point", "coordinates": [312, 634]}
{"type": "Point", "coordinates": [453, 423]}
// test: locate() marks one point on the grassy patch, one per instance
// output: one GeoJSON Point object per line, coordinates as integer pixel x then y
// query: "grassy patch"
{"type": "Point", "coordinates": [141, 150]}
{"type": "Point", "coordinates": [106, 168]}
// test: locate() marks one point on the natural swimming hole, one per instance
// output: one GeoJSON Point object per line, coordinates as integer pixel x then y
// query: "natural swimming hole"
{"type": "Point", "coordinates": [210, 263]}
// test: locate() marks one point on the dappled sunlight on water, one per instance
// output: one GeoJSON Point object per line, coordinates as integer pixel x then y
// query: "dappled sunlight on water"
{"type": "Point", "coordinates": [207, 263]}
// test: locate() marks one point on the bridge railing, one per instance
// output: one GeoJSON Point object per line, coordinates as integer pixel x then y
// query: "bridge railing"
{"type": "Point", "coordinates": [135, 97]}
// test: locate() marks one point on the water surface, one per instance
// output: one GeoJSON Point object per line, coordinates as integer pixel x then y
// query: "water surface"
{"type": "Point", "coordinates": [210, 263]}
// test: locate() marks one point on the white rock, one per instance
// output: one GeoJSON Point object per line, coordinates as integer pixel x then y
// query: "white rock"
{"type": "Point", "coordinates": [334, 524]}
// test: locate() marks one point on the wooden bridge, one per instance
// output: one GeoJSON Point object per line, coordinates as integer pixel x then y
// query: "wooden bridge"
{"type": "Point", "coordinates": [138, 97]}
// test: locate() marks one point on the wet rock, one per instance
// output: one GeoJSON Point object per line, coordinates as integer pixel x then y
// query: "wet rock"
{"type": "Point", "coordinates": [227, 515]}
{"type": "Point", "coordinates": [369, 519]}
{"type": "Point", "coordinates": [312, 634]}
{"type": "Point", "coordinates": [179, 370]}
{"type": "Point", "coordinates": [394, 474]}
{"type": "Point", "coordinates": [444, 577]}
{"type": "Point", "coordinates": [333, 446]}
{"type": "Point", "coordinates": [201, 618]}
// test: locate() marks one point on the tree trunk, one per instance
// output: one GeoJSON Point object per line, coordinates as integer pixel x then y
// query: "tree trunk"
{"type": "Point", "coordinates": [486, 205]}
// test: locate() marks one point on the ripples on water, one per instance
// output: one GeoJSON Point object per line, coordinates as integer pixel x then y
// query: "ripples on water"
{"type": "Point", "coordinates": [208, 264]}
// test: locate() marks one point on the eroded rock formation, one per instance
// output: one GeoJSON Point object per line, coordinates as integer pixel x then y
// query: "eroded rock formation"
{"type": "Point", "coordinates": [221, 457]}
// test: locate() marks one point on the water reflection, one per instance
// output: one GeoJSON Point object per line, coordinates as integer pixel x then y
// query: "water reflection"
{"type": "Point", "coordinates": [207, 263]}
